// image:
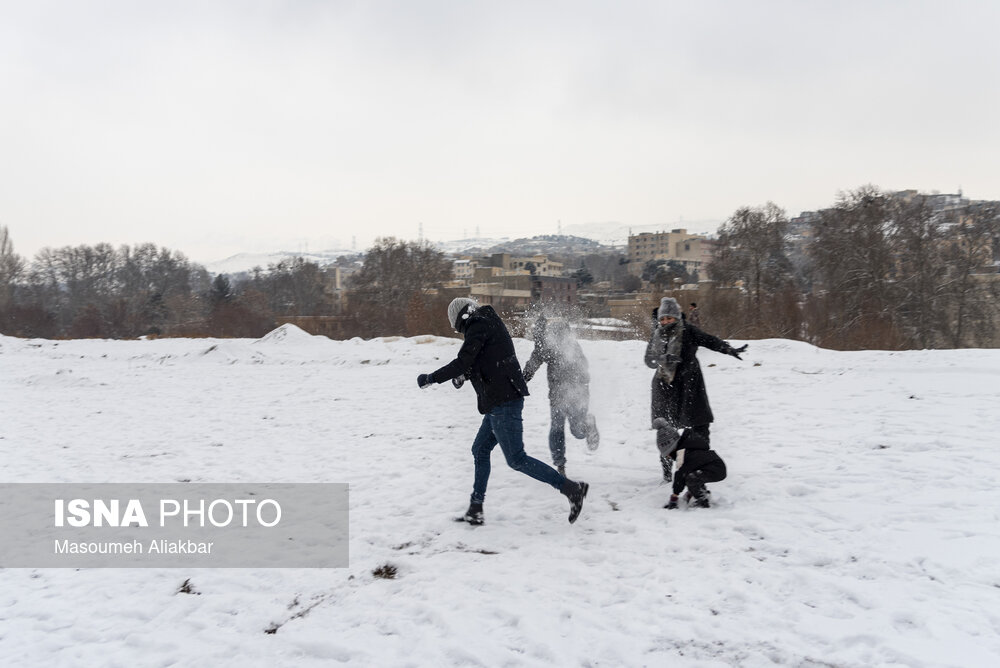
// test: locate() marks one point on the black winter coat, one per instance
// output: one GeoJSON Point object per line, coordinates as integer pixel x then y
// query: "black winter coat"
{"type": "Point", "coordinates": [693, 454]}
{"type": "Point", "coordinates": [684, 401]}
{"type": "Point", "coordinates": [487, 358]}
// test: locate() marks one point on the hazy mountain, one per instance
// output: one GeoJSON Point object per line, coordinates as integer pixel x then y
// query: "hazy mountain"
{"type": "Point", "coordinates": [576, 239]}
{"type": "Point", "coordinates": [247, 261]}
{"type": "Point", "coordinates": [616, 234]}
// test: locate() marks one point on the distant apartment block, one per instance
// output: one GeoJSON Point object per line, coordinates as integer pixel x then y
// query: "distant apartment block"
{"type": "Point", "coordinates": [692, 250]}
{"type": "Point", "coordinates": [463, 269]}
{"type": "Point", "coordinates": [470, 270]}
{"type": "Point", "coordinates": [504, 280]}
{"type": "Point", "coordinates": [538, 265]}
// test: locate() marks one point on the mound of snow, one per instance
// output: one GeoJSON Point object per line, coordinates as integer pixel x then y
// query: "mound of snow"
{"type": "Point", "coordinates": [288, 334]}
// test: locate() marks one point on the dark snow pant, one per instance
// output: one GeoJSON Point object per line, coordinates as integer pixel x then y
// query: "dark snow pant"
{"type": "Point", "coordinates": [503, 425]}
{"type": "Point", "coordinates": [576, 413]}
{"type": "Point", "coordinates": [711, 472]}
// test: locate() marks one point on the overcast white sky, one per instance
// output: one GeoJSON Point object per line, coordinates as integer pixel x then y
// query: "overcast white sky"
{"type": "Point", "coordinates": [219, 127]}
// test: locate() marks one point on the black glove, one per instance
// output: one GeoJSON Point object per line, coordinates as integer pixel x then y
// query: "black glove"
{"type": "Point", "coordinates": [458, 382]}
{"type": "Point", "coordinates": [672, 504]}
{"type": "Point", "coordinates": [735, 352]}
{"type": "Point", "coordinates": [425, 380]}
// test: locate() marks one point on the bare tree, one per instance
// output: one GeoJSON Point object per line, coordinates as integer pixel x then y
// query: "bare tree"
{"type": "Point", "coordinates": [11, 268]}
{"type": "Point", "coordinates": [919, 272]}
{"type": "Point", "coordinates": [752, 260]}
{"type": "Point", "coordinates": [394, 279]}
{"type": "Point", "coordinates": [154, 288]}
{"type": "Point", "coordinates": [97, 291]}
{"type": "Point", "coordinates": [970, 289]}
{"type": "Point", "coordinates": [854, 259]}
{"type": "Point", "coordinates": [293, 287]}
{"type": "Point", "coordinates": [752, 250]}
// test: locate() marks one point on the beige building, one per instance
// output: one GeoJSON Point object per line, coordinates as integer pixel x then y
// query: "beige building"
{"type": "Point", "coordinates": [690, 249]}
{"type": "Point", "coordinates": [480, 270]}
{"type": "Point", "coordinates": [463, 269]}
{"type": "Point", "coordinates": [523, 265]}
{"type": "Point", "coordinates": [500, 296]}
{"type": "Point", "coordinates": [504, 280]}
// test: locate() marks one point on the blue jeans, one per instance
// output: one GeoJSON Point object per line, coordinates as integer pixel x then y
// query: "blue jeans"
{"type": "Point", "coordinates": [503, 425]}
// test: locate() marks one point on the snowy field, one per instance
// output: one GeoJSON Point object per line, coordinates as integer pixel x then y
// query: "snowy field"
{"type": "Point", "coordinates": [860, 524]}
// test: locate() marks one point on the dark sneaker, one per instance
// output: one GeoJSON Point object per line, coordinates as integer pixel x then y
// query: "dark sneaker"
{"type": "Point", "coordinates": [576, 492]}
{"type": "Point", "coordinates": [593, 436]}
{"type": "Point", "coordinates": [474, 515]}
{"type": "Point", "coordinates": [701, 502]}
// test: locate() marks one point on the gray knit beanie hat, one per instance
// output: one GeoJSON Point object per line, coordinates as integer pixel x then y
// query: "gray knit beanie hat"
{"type": "Point", "coordinates": [456, 306]}
{"type": "Point", "coordinates": [670, 307]}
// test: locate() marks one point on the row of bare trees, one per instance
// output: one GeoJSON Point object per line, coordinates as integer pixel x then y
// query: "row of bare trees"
{"type": "Point", "coordinates": [103, 292]}
{"type": "Point", "coordinates": [880, 271]}
{"type": "Point", "coordinates": [876, 270]}
{"type": "Point", "coordinates": [106, 292]}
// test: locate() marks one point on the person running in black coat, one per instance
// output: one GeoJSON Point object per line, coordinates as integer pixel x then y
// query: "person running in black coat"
{"type": "Point", "coordinates": [569, 386]}
{"type": "Point", "coordinates": [679, 398]}
{"type": "Point", "coordinates": [488, 360]}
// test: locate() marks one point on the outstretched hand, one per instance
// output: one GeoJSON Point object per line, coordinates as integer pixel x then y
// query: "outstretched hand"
{"type": "Point", "coordinates": [425, 380]}
{"type": "Point", "coordinates": [735, 352]}
{"type": "Point", "coordinates": [458, 381]}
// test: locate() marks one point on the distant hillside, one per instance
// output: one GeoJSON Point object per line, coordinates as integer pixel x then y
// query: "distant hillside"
{"type": "Point", "coordinates": [242, 262]}
{"type": "Point", "coordinates": [553, 245]}
{"type": "Point", "coordinates": [616, 234]}
{"type": "Point", "coordinates": [556, 246]}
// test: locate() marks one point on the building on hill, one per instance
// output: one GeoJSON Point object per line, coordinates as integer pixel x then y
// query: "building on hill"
{"type": "Point", "coordinates": [463, 269]}
{"type": "Point", "coordinates": [470, 270]}
{"type": "Point", "coordinates": [518, 291]}
{"type": "Point", "coordinates": [692, 250]}
{"type": "Point", "coordinates": [500, 297]}
{"type": "Point", "coordinates": [539, 265]}
{"type": "Point", "coordinates": [514, 283]}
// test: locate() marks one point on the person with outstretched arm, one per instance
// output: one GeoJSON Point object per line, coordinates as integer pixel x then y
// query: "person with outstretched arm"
{"type": "Point", "coordinates": [487, 359]}
{"type": "Point", "coordinates": [679, 398]}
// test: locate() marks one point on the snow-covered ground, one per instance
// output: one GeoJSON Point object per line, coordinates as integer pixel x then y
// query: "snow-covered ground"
{"type": "Point", "coordinates": [860, 524]}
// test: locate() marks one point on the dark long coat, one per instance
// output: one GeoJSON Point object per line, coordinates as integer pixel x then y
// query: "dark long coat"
{"type": "Point", "coordinates": [684, 401]}
{"type": "Point", "coordinates": [487, 358]}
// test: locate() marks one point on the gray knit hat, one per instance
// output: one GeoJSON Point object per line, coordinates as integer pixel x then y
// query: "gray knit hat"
{"type": "Point", "coordinates": [667, 437]}
{"type": "Point", "coordinates": [456, 306]}
{"type": "Point", "coordinates": [669, 307]}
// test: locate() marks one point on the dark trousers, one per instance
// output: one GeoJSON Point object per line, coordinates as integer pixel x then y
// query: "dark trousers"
{"type": "Point", "coordinates": [576, 413]}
